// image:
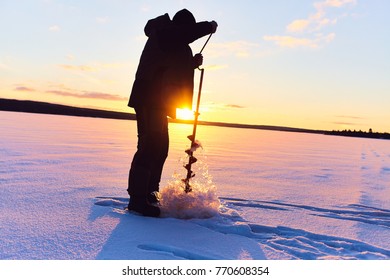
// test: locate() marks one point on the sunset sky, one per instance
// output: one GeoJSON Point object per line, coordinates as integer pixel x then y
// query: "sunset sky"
{"type": "Point", "coordinates": [307, 63]}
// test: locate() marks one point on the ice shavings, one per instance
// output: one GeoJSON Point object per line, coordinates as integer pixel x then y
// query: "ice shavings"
{"type": "Point", "coordinates": [202, 202]}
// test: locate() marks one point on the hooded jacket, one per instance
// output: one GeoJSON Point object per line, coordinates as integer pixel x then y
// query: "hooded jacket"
{"type": "Point", "coordinates": [165, 76]}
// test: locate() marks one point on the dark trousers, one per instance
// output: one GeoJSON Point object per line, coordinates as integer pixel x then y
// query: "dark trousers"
{"type": "Point", "coordinates": [152, 151]}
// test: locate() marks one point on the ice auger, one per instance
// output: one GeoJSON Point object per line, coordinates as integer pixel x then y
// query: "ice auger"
{"type": "Point", "coordinates": [194, 144]}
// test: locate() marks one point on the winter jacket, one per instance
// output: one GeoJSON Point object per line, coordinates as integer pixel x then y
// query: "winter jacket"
{"type": "Point", "coordinates": [165, 76]}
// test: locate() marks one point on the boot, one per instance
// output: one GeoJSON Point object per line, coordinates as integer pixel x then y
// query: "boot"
{"type": "Point", "coordinates": [153, 198]}
{"type": "Point", "coordinates": [142, 206]}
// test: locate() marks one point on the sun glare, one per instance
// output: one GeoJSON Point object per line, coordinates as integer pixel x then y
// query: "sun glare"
{"type": "Point", "coordinates": [184, 114]}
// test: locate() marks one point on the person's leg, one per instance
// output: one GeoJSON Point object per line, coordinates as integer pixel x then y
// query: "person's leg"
{"type": "Point", "coordinates": [161, 152]}
{"type": "Point", "coordinates": [139, 174]}
{"type": "Point", "coordinates": [146, 167]}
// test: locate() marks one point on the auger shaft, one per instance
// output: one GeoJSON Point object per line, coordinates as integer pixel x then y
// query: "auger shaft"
{"type": "Point", "coordinates": [192, 138]}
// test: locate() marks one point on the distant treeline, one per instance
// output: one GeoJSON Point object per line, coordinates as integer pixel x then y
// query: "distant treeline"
{"type": "Point", "coordinates": [363, 134]}
{"type": "Point", "coordinates": [56, 109]}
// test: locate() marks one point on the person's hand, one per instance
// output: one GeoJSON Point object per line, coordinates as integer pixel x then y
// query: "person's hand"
{"type": "Point", "coordinates": [214, 26]}
{"type": "Point", "coordinates": [198, 60]}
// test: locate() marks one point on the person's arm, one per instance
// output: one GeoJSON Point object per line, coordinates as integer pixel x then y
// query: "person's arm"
{"type": "Point", "coordinates": [186, 34]}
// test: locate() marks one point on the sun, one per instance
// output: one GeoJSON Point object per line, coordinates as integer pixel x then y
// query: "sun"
{"type": "Point", "coordinates": [184, 114]}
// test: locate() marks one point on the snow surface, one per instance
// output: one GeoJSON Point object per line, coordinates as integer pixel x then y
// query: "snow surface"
{"type": "Point", "coordinates": [257, 194]}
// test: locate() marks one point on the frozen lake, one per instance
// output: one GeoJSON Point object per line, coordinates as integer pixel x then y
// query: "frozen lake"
{"type": "Point", "coordinates": [294, 195]}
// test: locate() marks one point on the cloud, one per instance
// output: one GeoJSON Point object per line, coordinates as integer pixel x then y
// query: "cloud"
{"type": "Point", "coordinates": [293, 42]}
{"type": "Point", "coordinates": [84, 68]}
{"type": "Point", "coordinates": [88, 94]}
{"type": "Point", "coordinates": [235, 106]}
{"type": "Point", "coordinates": [350, 117]}
{"type": "Point", "coordinates": [336, 3]}
{"type": "Point", "coordinates": [345, 123]}
{"type": "Point", "coordinates": [234, 48]}
{"type": "Point", "coordinates": [215, 66]}
{"type": "Point", "coordinates": [298, 25]}
{"type": "Point", "coordinates": [222, 106]}
{"type": "Point", "coordinates": [74, 93]}
{"type": "Point", "coordinates": [89, 68]}
{"type": "Point", "coordinates": [310, 28]}
{"type": "Point", "coordinates": [23, 88]}
{"type": "Point", "coordinates": [320, 18]}
{"type": "Point", "coordinates": [101, 95]}
{"type": "Point", "coordinates": [54, 28]}
{"type": "Point", "coordinates": [349, 120]}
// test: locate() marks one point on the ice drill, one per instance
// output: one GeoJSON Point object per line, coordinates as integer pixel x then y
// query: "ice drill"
{"type": "Point", "coordinates": [192, 137]}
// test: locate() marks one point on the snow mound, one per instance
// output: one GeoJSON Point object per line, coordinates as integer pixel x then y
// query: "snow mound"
{"type": "Point", "coordinates": [201, 203]}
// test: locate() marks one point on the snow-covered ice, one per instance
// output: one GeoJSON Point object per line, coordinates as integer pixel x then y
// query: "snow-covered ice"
{"type": "Point", "coordinates": [258, 194]}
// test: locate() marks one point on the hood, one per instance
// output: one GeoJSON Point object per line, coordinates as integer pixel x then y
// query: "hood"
{"type": "Point", "coordinates": [183, 17]}
{"type": "Point", "coordinates": [156, 23]}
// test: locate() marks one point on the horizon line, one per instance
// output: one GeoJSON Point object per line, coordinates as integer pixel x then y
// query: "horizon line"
{"type": "Point", "coordinates": [30, 106]}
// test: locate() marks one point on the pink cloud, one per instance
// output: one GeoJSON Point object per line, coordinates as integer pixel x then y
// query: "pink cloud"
{"type": "Point", "coordinates": [23, 88]}
{"type": "Point", "coordinates": [87, 94]}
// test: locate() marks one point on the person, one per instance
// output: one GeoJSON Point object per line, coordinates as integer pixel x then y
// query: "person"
{"type": "Point", "coordinates": [163, 82]}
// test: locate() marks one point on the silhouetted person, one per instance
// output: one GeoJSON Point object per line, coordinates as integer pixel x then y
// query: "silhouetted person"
{"type": "Point", "coordinates": [163, 82]}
